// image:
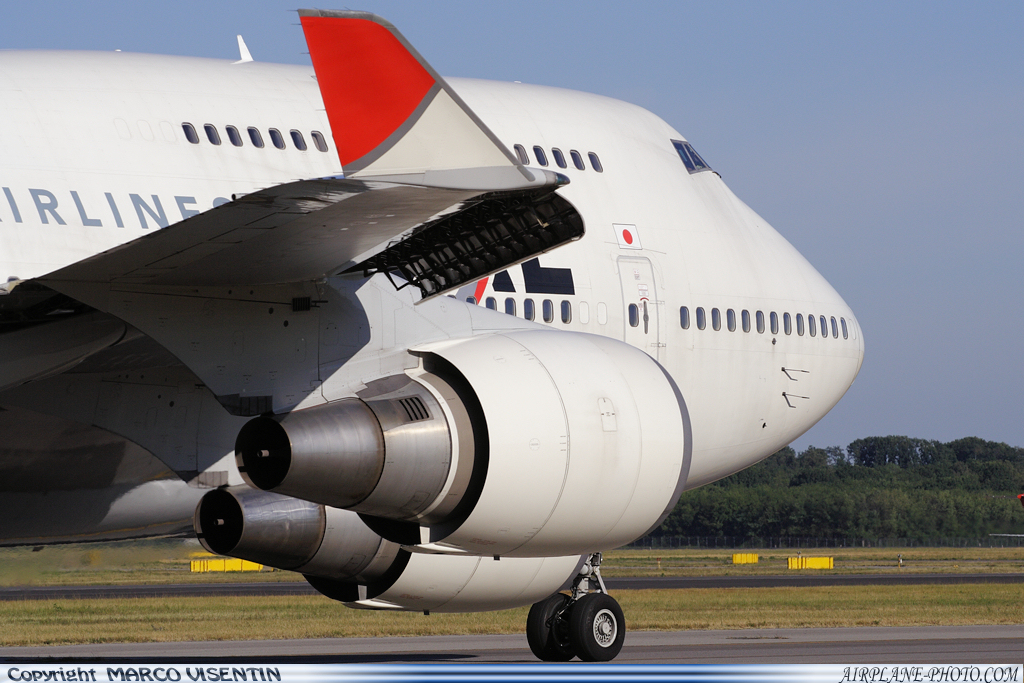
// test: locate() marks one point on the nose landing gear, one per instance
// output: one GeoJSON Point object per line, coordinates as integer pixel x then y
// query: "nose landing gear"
{"type": "Point", "coordinates": [587, 623]}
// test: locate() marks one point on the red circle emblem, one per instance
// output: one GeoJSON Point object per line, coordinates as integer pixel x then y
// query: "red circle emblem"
{"type": "Point", "coordinates": [627, 236]}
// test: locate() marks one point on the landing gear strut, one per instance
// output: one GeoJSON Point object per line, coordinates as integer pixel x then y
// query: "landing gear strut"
{"type": "Point", "coordinates": [587, 623]}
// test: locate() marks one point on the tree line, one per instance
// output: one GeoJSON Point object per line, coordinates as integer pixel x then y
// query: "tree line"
{"type": "Point", "coordinates": [878, 487]}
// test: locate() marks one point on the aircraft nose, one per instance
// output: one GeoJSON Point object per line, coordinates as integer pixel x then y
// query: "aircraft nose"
{"type": "Point", "coordinates": [860, 346]}
{"type": "Point", "coordinates": [856, 350]}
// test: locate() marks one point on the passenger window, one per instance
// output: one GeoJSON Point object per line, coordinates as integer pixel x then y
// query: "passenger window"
{"type": "Point", "coordinates": [255, 138]}
{"type": "Point", "coordinates": [835, 328]}
{"type": "Point", "coordinates": [787, 323]}
{"type": "Point", "coordinates": [211, 133]}
{"type": "Point", "coordinates": [145, 130]}
{"type": "Point", "coordinates": [549, 311]}
{"type": "Point", "coordinates": [319, 140]}
{"type": "Point", "coordinates": [577, 160]}
{"type": "Point", "coordinates": [298, 140]}
{"type": "Point", "coordinates": [276, 138]}
{"type": "Point", "coordinates": [701, 322]}
{"type": "Point", "coordinates": [492, 303]}
{"type": "Point", "coordinates": [634, 315]}
{"type": "Point", "coordinates": [800, 324]}
{"type": "Point", "coordinates": [760, 322]}
{"type": "Point", "coordinates": [716, 319]}
{"type": "Point", "coordinates": [774, 319]}
{"type": "Point", "coordinates": [510, 306]}
{"type": "Point", "coordinates": [602, 313]}
{"type": "Point", "coordinates": [190, 133]}
{"type": "Point", "coordinates": [584, 312]}
{"type": "Point", "coordinates": [471, 300]}
{"type": "Point", "coordinates": [810, 326]}
{"type": "Point", "coordinates": [233, 136]}
{"type": "Point", "coordinates": [730, 320]}
{"type": "Point", "coordinates": [521, 155]}
{"type": "Point", "coordinates": [538, 154]}
{"type": "Point", "coordinates": [824, 328]}
{"type": "Point", "coordinates": [745, 317]}
{"type": "Point", "coordinates": [684, 317]}
{"type": "Point", "coordinates": [123, 131]}
{"type": "Point", "coordinates": [846, 335]}
{"type": "Point", "coordinates": [559, 157]}
{"type": "Point", "coordinates": [566, 312]}
{"type": "Point", "coordinates": [528, 311]}
{"type": "Point", "coordinates": [595, 163]}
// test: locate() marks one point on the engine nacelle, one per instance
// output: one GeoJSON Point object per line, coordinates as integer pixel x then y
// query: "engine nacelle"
{"type": "Point", "coordinates": [527, 443]}
{"type": "Point", "coordinates": [293, 534]}
{"type": "Point", "coordinates": [343, 559]}
{"type": "Point", "coordinates": [588, 442]}
{"type": "Point", "coordinates": [458, 583]}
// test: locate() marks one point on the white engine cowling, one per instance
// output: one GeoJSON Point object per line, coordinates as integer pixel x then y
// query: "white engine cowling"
{"type": "Point", "coordinates": [459, 583]}
{"type": "Point", "coordinates": [587, 442]}
{"type": "Point", "coordinates": [521, 444]}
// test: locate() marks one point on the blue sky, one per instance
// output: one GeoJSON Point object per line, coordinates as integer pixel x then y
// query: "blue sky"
{"type": "Point", "coordinates": [884, 140]}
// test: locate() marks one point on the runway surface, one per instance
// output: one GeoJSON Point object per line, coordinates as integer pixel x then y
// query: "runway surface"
{"type": "Point", "coordinates": [920, 645]}
{"type": "Point", "coordinates": [663, 582]}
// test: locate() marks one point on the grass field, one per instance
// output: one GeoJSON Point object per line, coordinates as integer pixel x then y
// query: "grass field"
{"type": "Point", "coordinates": [39, 622]}
{"type": "Point", "coordinates": [718, 562]}
{"type": "Point", "coordinates": [167, 561]}
{"type": "Point", "coordinates": [156, 561]}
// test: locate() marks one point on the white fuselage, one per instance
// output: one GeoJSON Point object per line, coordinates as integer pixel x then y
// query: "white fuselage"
{"type": "Point", "coordinates": [93, 154]}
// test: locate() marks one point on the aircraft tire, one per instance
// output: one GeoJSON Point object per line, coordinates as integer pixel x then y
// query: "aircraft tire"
{"type": "Point", "coordinates": [546, 644]}
{"type": "Point", "coordinates": [597, 628]}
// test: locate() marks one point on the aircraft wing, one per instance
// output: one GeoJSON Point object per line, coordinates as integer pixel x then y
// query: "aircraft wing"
{"type": "Point", "coordinates": [428, 190]}
{"type": "Point", "coordinates": [300, 230]}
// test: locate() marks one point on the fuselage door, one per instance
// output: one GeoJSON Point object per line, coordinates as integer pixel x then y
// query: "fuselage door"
{"type": "Point", "coordinates": [640, 305]}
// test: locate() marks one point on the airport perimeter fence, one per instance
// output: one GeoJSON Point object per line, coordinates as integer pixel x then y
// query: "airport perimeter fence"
{"type": "Point", "coordinates": [737, 542]}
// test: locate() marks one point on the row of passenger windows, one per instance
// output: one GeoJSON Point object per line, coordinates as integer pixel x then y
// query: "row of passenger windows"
{"type": "Point", "coordinates": [813, 324]}
{"type": "Point", "coordinates": [255, 137]}
{"type": "Point", "coordinates": [559, 157]}
{"type": "Point", "coordinates": [812, 327]}
{"type": "Point", "coordinates": [530, 308]}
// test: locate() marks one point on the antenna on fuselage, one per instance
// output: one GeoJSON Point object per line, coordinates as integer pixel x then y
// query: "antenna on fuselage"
{"type": "Point", "coordinates": [243, 52]}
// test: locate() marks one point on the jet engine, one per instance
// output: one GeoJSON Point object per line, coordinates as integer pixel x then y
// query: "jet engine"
{"type": "Point", "coordinates": [527, 443]}
{"type": "Point", "coordinates": [343, 559]}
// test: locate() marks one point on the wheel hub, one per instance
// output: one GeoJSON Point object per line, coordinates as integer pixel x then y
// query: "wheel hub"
{"type": "Point", "coordinates": [605, 628]}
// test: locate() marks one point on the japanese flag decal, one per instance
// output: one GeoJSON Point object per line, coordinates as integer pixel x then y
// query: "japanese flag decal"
{"type": "Point", "coordinates": [627, 236]}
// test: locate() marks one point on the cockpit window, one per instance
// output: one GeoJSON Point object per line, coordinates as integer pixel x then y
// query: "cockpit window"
{"type": "Point", "coordinates": [692, 160]}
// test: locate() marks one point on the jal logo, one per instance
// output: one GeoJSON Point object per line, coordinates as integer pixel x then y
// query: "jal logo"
{"type": "Point", "coordinates": [627, 236]}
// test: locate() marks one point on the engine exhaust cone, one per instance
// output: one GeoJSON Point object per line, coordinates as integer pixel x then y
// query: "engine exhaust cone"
{"type": "Point", "coordinates": [220, 520]}
{"type": "Point", "coordinates": [265, 452]}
